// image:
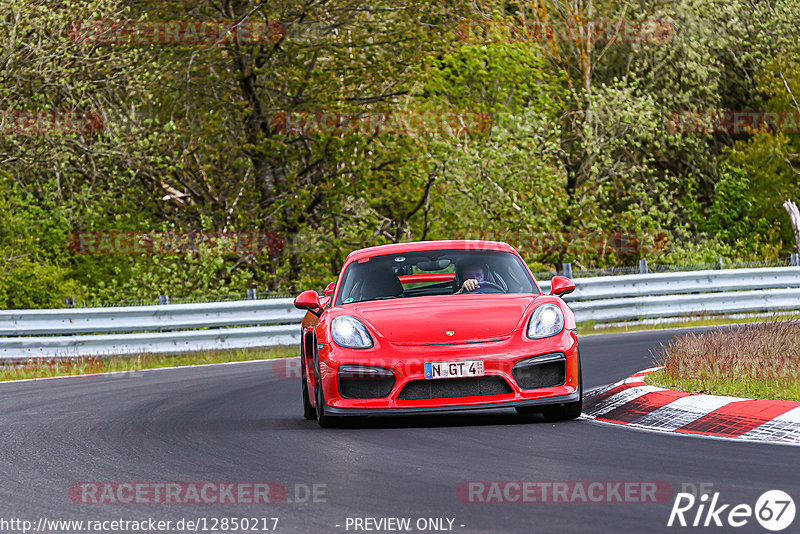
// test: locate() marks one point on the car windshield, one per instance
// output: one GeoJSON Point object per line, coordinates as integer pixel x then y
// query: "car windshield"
{"type": "Point", "coordinates": [438, 272]}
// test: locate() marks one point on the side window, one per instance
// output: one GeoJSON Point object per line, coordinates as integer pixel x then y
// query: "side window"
{"type": "Point", "coordinates": [351, 283]}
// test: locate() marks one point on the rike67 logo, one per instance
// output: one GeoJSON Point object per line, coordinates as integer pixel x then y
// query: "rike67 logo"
{"type": "Point", "coordinates": [774, 510]}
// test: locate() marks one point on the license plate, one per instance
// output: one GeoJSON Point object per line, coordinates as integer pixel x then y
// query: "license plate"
{"type": "Point", "coordinates": [434, 370]}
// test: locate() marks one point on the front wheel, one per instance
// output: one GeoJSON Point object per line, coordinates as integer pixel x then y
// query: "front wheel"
{"type": "Point", "coordinates": [556, 412]}
{"type": "Point", "coordinates": [568, 410]}
{"type": "Point", "coordinates": [308, 410]}
{"type": "Point", "coordinates": [563, 412]}
{"type": "Point", "coordinates": [324, 421]}
{"type": "Point", "coordinates": [559, 412]}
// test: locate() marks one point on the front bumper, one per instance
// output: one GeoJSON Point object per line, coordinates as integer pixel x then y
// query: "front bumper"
{"type": "Point", "coordinates": [407, 363]}
{"type": "Point", "coordinates": [456, 408]}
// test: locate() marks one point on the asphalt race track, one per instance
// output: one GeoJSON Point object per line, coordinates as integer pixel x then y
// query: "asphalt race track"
{"type": "Point", "coordinates": [243, 423]}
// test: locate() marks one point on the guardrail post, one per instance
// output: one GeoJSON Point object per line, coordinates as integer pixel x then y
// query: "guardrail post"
{"type": "Point", "coordinates": [643, 267]}
{"type": "Point", "coordinates": [567, 269]}
{"type": "Point", "coordinates": [252, 294]}
{"type": "Point", "coordinates": [795, 260]}
{"type": "Point", "coordinates": [163, 299]}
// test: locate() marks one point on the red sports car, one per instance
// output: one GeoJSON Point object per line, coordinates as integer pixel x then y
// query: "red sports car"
{"type": "Point", "coordinates": [438, 326]}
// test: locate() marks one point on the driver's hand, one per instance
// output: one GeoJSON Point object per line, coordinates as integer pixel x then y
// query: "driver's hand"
{"type": "Point", "coordinates": [469, 285]}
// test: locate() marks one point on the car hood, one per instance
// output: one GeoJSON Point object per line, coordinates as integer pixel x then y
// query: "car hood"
{"type": "Point", "coordinates": [446, 319]}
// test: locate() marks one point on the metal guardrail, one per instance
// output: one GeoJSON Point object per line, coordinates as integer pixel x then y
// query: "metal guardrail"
{"type": "Point", "coordinates": [635, 285]}
{"type": "Point", "coordinates": [21, 348]}
{"type": "Point", "coordinates": [631, 309]}
{"type": "Point", "coordinates": [663, 295]}
{"type": "Point", "coordinates": [148, 318]}
{"type": "Point", "coordinates": [240, 324]}
{"type": "Point", "coordinates": [148, 329]}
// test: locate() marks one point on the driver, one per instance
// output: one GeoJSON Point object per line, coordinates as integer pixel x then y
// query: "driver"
{"type": "Point", "coordinates": [472, 274]}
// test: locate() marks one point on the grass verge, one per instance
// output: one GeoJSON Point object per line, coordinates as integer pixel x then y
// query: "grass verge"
{"type": "Point", "coordinates": [759, 361]}
{"type": "Point", "coordinates": [53, 367]}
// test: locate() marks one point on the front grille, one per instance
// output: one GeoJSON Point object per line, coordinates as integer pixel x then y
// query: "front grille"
{"type": "Point", "coordinates": [544, 371]}
{"type": "Point", "coordinates": [365, 389]}
{"type": "Point", "coordinates": [454, 387]}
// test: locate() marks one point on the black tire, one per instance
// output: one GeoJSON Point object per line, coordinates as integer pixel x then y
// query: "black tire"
{"type": "Point", "coordinates": [563, 412]}
{"type": "Point", "coordinates": [559, 412]}
{"type": "Point", "coordinates": [323, 420]}
{"type": "Point", "coordinates": [308, 410]}
{"type": "Point", "coordinates": [568, 410]}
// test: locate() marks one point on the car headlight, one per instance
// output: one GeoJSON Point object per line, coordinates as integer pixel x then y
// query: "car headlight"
{"type": "Point", "coordinates": [547, 320]}
{"type": "Point", "coordinates": [351, 333]}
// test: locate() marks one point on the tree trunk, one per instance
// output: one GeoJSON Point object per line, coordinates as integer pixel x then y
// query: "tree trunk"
{"type": "Point", "coordinates": [794, 216]}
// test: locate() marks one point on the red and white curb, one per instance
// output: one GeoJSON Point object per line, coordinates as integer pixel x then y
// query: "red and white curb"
{"type": "Point", "coordinates": [633, 403]}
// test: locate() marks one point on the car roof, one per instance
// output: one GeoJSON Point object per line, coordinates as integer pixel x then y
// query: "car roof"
{"type": "Point", "coordinates": [421, 246]}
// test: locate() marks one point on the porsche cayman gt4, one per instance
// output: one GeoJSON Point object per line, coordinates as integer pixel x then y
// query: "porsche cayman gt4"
{"type": "Point", "coordinates": [438, 326]}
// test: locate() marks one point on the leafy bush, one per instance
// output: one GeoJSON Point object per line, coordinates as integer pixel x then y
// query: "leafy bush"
{"type": "Point", "coordinates": [25, 283]}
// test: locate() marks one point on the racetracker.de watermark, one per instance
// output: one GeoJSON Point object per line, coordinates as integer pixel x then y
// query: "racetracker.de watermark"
{"type": "Point", "coordinates": [405, 122]}
{"type": "Point", "coordinates": [564, 492]}
{"type": "Point", "coordinates": [734, 122]}
{"type": "Point", "coordinates": [177, 492]}
{"type": "Point", "coordinates": [50, 122]}
{"type": "Point", "coordinates": [532, 31]}
{"type": "Point", "coordinates": [287, 368]}
{"type": "Point", "coordinates": [175, 32]}
{"type": "Point", "coordinates": [174, 243]}
{"type": "Point", "coordinates": [198, 492]}
{"type": "Point", "coordinates": [593, 241]}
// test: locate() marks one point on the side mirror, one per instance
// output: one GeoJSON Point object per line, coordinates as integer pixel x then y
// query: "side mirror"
{"type": "Point", "coordinates": [329, 289]}
{"type": "Point", "coordinates": [309, 300]}
{"type": "Point", "coordinates": [561, 285]}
